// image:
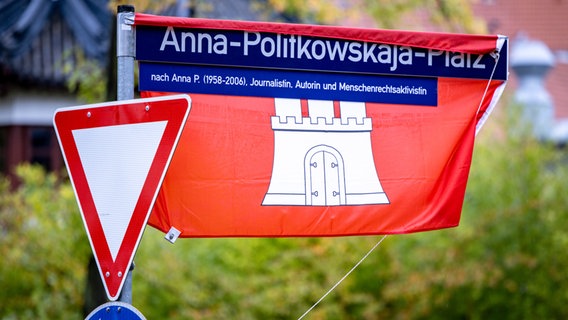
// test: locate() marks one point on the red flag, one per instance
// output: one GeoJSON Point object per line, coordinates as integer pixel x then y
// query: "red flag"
{"type": "Point", "coordinates": [271, 166]}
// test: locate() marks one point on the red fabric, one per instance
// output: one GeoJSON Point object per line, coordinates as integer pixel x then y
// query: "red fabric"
{"type": "Point", "coordinates": [476, 44]}
{"type": "Point", "coordinates": [223, 166]}
{"type": "Point", "coordinates": [264, 167]}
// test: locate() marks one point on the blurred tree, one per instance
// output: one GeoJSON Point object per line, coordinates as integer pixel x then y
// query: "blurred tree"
{"type": "Point", "coordinates": [145, 5]}
{"type": "Point", "coordinates": [44, 248]}
{"type": "Point", "coordinates": [442, 15]}
{"type": "Point", "coordinates": [85, 77]}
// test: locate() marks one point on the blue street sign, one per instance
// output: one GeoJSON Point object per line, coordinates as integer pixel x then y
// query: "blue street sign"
{"type": "Point", "coordinates": [234, 48]}
{"type": "Point", "coordinates": [115, 311]}
{"type": "Point", "coordinates": [419, 91]}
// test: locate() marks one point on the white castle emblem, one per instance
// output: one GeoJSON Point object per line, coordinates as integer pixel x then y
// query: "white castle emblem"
{"type": "Point", "coordinates": [323, 160]}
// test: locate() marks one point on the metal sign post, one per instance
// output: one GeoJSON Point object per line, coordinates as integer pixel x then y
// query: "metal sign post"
{"type": "Point", "coordinates": [125, 52]}
{"type": "Point", "coordinates": [125, 89]}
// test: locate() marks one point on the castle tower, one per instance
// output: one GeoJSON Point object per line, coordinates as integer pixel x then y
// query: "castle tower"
{"type": "Point", "coordinates": [323, 160]}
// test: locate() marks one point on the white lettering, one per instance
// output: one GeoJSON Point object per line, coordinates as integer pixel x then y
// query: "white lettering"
{"type": "Point", "coordinates": [284, 46]}
{"type": "Point", "coordinates": [337, 50]}
{"type": "Point", "coordinates": [172, 42]}
{"type": "Point", "coordinates": [321, 54]}
{"type": "Point", "coordinates": [160, 77]}
{"type": "Point", "coordinates": [458, 60]}
{"type": "Point", "coordinates": [204, 37]}
{"type": "Point", "coordinates": [248, 42]}
{"type": "Point", "coordinates": [368, 52]}
{"type": "Point", "coordinates": [405, 56]}
{"type": "Point", "coordinates": [176, 78]}
{"type": "Point", "coordinates": [477, 63]}
{"type": "Point", "coordinates": [355, 54]}
{"type": "Point", "coordinates": [292, 43]}
{"type": "Point", "coordinates": [184, 36]}
{"type": "Point", "coordinates": [385, 54]}
{"type": "Point", "coordinates": [267, 42]}
{"type": "Point", "coordinates": [220, 46]}
{"type": "Point", "coordinates": [433, 53]}
{"type": "Point", "coordinates": [303, 49]}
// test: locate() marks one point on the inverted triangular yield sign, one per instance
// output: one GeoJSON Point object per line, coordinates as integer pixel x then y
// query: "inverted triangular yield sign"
{"type": "Point", "coordinates": [117, 154]}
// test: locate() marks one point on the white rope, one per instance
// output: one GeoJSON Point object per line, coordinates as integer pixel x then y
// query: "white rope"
{"type": "Point", "coordinates": [345, 276]}
{"type": "Point", "coordinates": [496, 56]}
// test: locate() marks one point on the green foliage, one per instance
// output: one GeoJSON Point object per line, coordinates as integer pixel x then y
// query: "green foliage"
{"type": "Point", "coordinates": [313, 11]}
{"type": "Point", "coordinates": [442, 15]}
{"type": "Point", "coordinates": [44, 249]}
{"type": "Point", "coordinates": [145, 5]}
{"type": "Point", "coordinates": [86, 77]}
{"type": "Point", "coordinates": [234, 278]}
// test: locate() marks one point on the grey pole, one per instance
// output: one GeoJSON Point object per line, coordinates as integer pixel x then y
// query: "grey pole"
{"type": "Point", "coordinates": [125, 52]}
{"type": "Point", "coordinates": [125, 90]}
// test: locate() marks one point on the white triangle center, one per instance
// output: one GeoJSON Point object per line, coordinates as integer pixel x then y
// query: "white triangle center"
{"type": "Point", "coordinates": [116, 160]}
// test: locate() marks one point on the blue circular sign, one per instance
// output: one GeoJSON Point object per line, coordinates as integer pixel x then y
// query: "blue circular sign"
{"type": "Point", "coordinates": [115, 311]}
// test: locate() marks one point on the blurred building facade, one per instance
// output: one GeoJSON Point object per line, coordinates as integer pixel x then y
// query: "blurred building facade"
{"type": "Point", "coordinates": [38, 38]}
{"type": "Point", "coordinates": [539, 48]}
